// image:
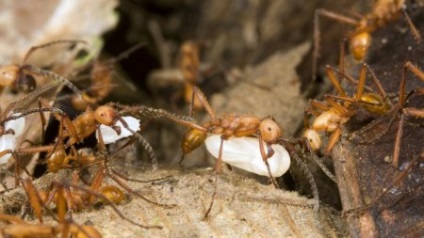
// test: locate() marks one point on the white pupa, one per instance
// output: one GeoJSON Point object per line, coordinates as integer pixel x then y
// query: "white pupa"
{"type": "Point", "coordinates": [110, 136]}
{"type": "Point", "coordinates": [244, 153]}
{"type": "Point", "coordinates": [7, 142]}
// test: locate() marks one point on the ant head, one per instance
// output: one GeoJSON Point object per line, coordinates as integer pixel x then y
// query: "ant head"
{"type": "Point", "coordinates": [192, 139]}
{"type": "Point", "coordinates": [359, 45]}
{"type": "Point", "coordinates": [270, 130]}
{"type": "Point", "coordinates": [106, 115]}
{"type": "Point", "coordinates": [25, 83]}
{"type": "Point", "coordinates": [8, 74]}
{"type": "Point", "coordinates": [188, 47]}
{"type": "Point", "coordinates": [313, 138]}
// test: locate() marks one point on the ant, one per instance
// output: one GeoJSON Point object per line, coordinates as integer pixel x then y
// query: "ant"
{"type": "Point", "coordinates": [230, 138]}
{"type": "Point", "coordinates": [382, 13]}
{"type": "Point", "coordinates": [19, 228]}
{"type": "Point", "coordinates": [104, 120]}
{"type": "Point", "coordinates": [190, 69]}
{"type": "Point", "coordinates": [64, 194]}
{"type": "Point", "coordinates": [101, 75]}
{"type": "Point", "coordinates": [397, 110]}
{"type": "Point", "coordinates": [266, 129]}
{"type": "Point", "coordinates": [20, 77]}
{"type": "Point", "coordinates": [331, 115]}
{"type": "Point", "coordinates": [12, 124]}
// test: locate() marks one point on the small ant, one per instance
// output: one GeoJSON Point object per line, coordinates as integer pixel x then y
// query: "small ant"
{"type": "Point", "coordinates": [382, 13]}
{"type": "Point", "coordinates": [21, 77]}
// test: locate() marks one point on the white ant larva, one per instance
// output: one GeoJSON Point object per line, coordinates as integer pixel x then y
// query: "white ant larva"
{"type": "Point", "coordinates": [110, 135]}
{"type": "Point", "coordinates": [244, 153]}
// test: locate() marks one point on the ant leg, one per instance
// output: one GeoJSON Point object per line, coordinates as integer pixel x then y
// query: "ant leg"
{"type": "Point", "coordinates": [97, 181]}
{"type": "Point", "coordinates": [324, 168]}
{"type": "Point", "coordinates": [159, 113]}
{"type": "Point", "coordinates": [117, 179]}
{"type": "Point", "coordinates": [316, 107]}
{"type": "Point", "coordinates": [342, 56]}
{"type": "Point", "coordinates": [218, 166]}
{"type": "Point", "coordinates": [293, 154]}
{"type": "Point", "coordinates": [53, 76]}
{"type": "Point", "coordinates": [334, 138]}
{"type": "Point", "coordinates": [215, 189]}
{"type": "Point", "coordinates": [339, 108]}
{"type": "Point", "coordinates": [107, 200]}
{"type": "Point", "coordinates": [204, 101]}
{"type": "Point", "coordinates": [42, 118]}
{"type": "Point", "coordinates": [361, 82]}
{"type": "Point", "coordinates": [347, 77]}
{"type": "Point", "coordinates": [332, 77]}
{"type": "Point", "coordinates": [414, 30]}
{"type": "Point", "coordinates": [146, 145]}
{"type": "Point", "coordinates": [410, 112]}
{"type": "Point", "coordinates": [405, 111]}
{"type": "Point", "coordinates": [265, 159]}
{"type": "Point", "coordinates": [376, 81]}
{"type": "Point", "coordinates": [34, 198]}
{"type": "Point", "coordinates": [34, 48]}
{"type": "Point", "coordinates": [399, 134]}
{"type": "Point", "coordinates": [317, 33]}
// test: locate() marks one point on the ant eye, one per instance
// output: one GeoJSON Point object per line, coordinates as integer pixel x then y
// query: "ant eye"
{"type": "Point", "coordinates": [269, 129]}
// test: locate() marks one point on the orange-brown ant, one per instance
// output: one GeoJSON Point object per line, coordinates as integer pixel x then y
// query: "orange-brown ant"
{"type": "Point", "coordinates": [397, 110]}
{"type": "Point", "coordinates": [382, 13]}
{"type": "Point", "coordinates": [190, 68]}
{"type": "Point", "coordinates": [68, 195]}
{"type": "Point", "coordinates": [266, 129]}
{"type": "Point", "coordinates": [238, 132]}
{"type": "Point", "coordinates": [101, 77]}
{"type": "Point", "coordinates": [21, 77]}
{"type": "Point", "coordinates": [331, 115]}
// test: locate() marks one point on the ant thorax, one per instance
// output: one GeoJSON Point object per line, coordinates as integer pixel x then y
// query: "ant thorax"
{"type": "Point", "coordinates": [110, 135]}
{"type": "Point", "coordinates": [244, 153]}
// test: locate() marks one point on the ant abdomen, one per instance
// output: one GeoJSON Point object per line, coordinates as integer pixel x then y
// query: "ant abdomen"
{"type": "Point", "coordinates": [192, 139]}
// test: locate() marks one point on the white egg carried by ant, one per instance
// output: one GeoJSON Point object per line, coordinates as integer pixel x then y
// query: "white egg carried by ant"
{"type": "Point", "coordinates": [109, 135]}
{"type": "Point", "coordinates": [7, 142]}
{"type": "Point", "coordinates": [17, 125]}
{"type": "Point", "coordinates": [244, 153]}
